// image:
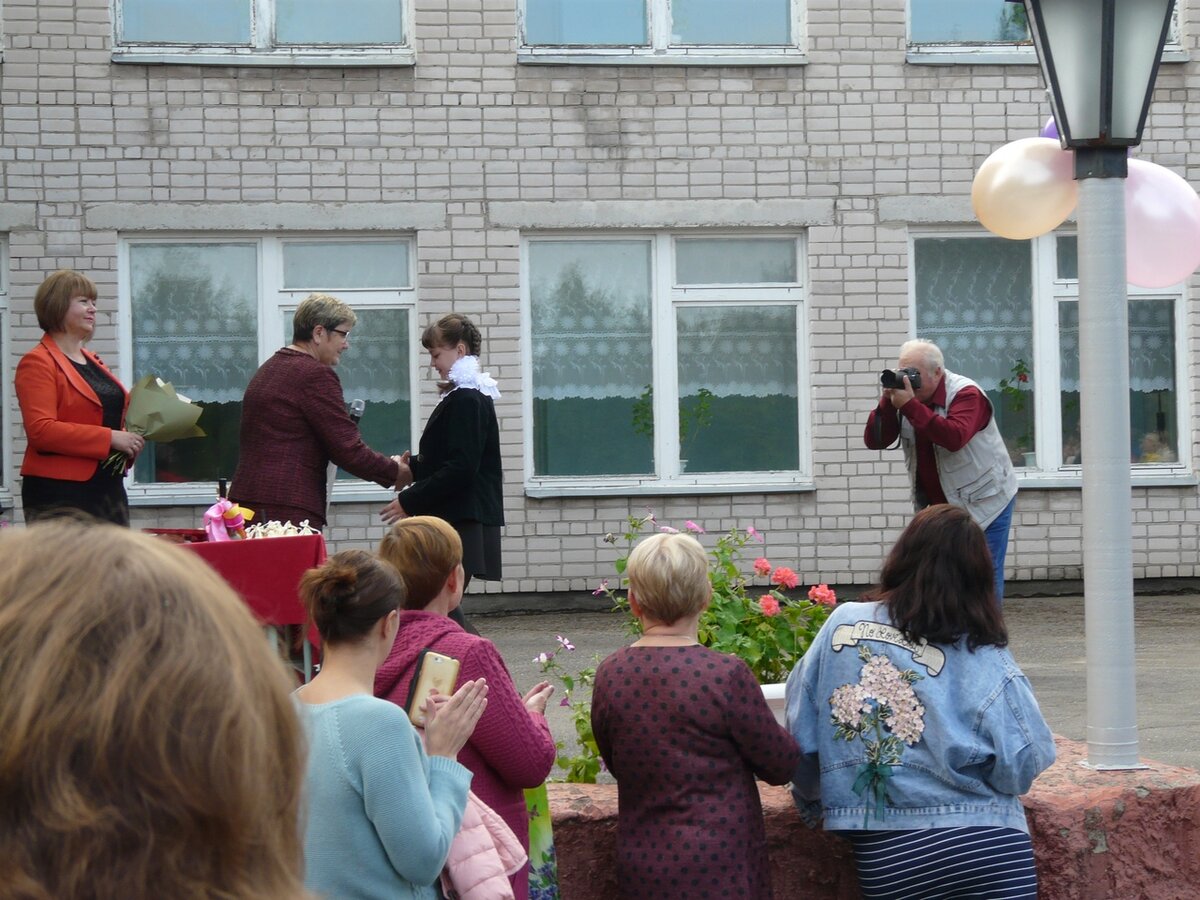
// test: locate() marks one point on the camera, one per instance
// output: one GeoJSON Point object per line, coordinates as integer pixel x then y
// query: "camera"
{"type": "Point", "coordinates": [890, 379]}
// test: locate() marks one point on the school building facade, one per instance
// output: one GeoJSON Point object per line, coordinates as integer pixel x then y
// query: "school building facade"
{"type": "Point", "coordinates": [692, 232]}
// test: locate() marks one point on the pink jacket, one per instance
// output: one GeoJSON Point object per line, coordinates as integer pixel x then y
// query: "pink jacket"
{"type": "Point", "coordinates": [483, 854]}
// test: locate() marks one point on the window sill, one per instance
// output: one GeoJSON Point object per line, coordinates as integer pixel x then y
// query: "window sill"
{"type": "Point", "coordinates": [1072, 478]}
{"type": "Point", "coordinates": [203, 494]}
{"type": "Point", "coordinates": [992, 55]}
{"type": "Point", "coordinates": [341, 56]}
{"type": "Point", "coordinates": [625, 57]}
{"type": "Point", "coordinates": [547, 489]}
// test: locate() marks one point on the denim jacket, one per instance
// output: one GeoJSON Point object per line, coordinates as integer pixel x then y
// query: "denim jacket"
{"type": "Point", "coordinates": [978, 737]}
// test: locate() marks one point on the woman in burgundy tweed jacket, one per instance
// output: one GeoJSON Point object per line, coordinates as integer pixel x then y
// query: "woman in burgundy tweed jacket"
{"type": "Point", "coordinates": [511, 748]}
{"type": "Point", "coordinates": [294, 422]}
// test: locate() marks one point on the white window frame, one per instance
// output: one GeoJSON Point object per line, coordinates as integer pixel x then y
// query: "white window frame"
{"type": "Point", "coordinates": [659, 50]}
{"type": "Point", "coordinates": [666, 297]}
{"type": "Point", "coordinates": [1018, 53]}
{"type": "Point", "coordinates": [274, 304]}
{"type": "Point", "coordinates": [1048, 291]}
{"type": "Point", "coordinates": [262, 51]}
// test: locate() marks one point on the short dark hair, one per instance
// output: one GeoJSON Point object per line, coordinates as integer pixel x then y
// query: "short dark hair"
{"type": "Point", "coordinates": [449, 330]}
{"type": "Point", "coordinates": [351, 591]}
{"type": "Point", "coordinates": [938, 581]}
{"type": "Point", "coordinates": [53, 297]}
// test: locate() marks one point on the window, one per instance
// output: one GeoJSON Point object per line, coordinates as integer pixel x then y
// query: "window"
{"type": "Point", "coordinates": [1005, 314]}
{"type": "Point", "coordinates": [206, 313]}
{"type": "Point", "coordinates": [663, 358]}
{"type": "Point", "coordinates": [237, 32]}
{"type": "Point", "coordinates": [985, 31]}
{"type": "Point", "coordinates": [651, 29]}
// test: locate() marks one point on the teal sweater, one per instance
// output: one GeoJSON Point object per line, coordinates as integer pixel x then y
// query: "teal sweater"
{"type": "Point", "coordinates": [381, 814]}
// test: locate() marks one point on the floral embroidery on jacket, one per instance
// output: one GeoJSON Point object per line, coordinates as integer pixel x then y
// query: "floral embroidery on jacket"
{"type": "Point", "coordinates": [882, 711]}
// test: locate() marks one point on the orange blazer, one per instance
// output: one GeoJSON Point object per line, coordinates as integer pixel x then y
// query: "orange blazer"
{"type": "Point", "coordinates": [62, 415]}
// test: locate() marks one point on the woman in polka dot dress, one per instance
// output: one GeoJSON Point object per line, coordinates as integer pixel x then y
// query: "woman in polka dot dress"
{"type": "Point", "coordinates": [685, 731]}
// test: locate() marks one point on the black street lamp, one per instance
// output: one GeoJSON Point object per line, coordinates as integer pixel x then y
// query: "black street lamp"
{"type": "Point", "coordinates": [1100, 59]}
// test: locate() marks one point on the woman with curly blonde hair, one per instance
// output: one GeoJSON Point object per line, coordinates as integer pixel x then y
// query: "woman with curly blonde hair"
{"type": "Point", "coordinates": [148, 746]}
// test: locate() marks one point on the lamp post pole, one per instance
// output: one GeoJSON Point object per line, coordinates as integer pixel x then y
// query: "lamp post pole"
{"type": "Point", "coordinates": [1112, 736]}
{"type": "Point", "coordinates": [1100, 59]}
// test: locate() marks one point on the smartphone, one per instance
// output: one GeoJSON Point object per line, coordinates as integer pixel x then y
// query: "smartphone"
{"type": "Point", "coordinates": [434, 672]}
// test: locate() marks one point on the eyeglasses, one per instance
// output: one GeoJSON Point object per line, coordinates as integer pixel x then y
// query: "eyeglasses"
{"type": "Point", "coordinates": [345, 334]}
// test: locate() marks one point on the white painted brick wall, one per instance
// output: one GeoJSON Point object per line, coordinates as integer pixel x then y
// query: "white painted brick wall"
{"type": "Point", "coordinates": [467, 127]}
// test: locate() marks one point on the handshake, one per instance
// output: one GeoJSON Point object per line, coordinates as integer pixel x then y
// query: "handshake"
{"type": "Point", "coordinates": [405, 476]}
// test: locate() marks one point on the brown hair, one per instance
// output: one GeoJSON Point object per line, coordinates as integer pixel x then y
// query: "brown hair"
{"type": "Point", "coordinates": [425, 549]}
{"type": "Point", "coordinates": [53, 297]}
{"type": "Point", "coordinates": [668, 576]}
{"type": "Point", "coordinates": [148, 739]}
{"type": "Point", "coordinates": [349, 593]}
{"type": "Point", "coordinates": [449, 330]}
{"type": "Point", "coordinates": [938, 581]}
{"type": "Point", "coordinates": [319, 309]}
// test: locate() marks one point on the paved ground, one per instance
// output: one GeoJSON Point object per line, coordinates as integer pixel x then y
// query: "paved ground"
{"type": "Point", "coordinates": [1047, 639]}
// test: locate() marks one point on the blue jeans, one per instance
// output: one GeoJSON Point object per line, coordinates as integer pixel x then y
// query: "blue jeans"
{"type": "Point", "coordinates": [997, 542]}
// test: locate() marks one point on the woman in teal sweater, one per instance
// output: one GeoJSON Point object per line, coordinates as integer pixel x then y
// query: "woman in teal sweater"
{"type": "Point", "coordinates": [382, 809]}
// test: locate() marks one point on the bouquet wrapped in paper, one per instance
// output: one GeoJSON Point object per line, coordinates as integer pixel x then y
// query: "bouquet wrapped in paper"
{"type": "Point", "coordinates": [158, 414]}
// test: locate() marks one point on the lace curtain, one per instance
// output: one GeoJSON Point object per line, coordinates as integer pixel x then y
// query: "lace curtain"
{"type": "Point", "coordinates": [1151, 345]}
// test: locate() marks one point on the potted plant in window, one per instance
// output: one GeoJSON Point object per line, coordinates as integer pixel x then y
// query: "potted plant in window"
{"type": "Point", "coordinates": [1014, 391]}
{"type": "Point", "coordinates": [693, 417]}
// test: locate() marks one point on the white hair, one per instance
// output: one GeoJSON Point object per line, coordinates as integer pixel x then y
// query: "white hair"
{"type": "Point", "coordinates": [927, 350]}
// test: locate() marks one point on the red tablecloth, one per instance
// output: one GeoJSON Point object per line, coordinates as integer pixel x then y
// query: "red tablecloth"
{"type": "Point", "coordinates": [266, 572]}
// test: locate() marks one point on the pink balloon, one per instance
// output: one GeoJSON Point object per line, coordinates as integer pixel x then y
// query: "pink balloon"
{"type": "Point", "coordinates": [1025, 188]}
{"type": "Point", "coordinates": [1162, 226]}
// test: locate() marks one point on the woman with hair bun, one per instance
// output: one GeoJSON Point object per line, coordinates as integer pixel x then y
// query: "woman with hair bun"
{"type": "Point", "coordinates": [382, 809]}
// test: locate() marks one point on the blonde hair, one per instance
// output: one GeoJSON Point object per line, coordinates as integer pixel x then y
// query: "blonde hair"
{"type": "Point", "coordinates": [668, 576]}
{"type": "Point", "coordinates": [426, 550]}
{"type": "Point", "coordinates": [319, 309]}
{"type": "Point", "coordinates": [147, 739]}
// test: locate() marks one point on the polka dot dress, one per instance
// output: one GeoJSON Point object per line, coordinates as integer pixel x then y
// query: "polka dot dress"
{"type": "Point", "coordinates": [685, 730]}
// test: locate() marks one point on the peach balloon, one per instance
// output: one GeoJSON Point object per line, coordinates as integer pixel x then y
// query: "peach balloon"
{"type": "Point", "coordinates": [1025, 189]}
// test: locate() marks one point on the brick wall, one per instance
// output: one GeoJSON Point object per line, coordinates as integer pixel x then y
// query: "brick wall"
{"type": "Point", "coordinates": [91, 150]}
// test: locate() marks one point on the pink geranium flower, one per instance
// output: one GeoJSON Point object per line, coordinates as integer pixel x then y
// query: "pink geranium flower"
{"type": "Point", "coordinates": [785, 577]}
{"type": "Point", "coordinates": [769, 605]}
{"type": "Point", "coordinates": [603, 589]}
{"type": "Point", "coordinates": [823, 594]}
{"type": "Point", "coordinates": [762, 566]}
{"type": "Point", "coordinates": [754, 533]}
{"type": "Point", "coordinates": [667, 529]}
{"type": "Point", "coordinates": [693, 527]}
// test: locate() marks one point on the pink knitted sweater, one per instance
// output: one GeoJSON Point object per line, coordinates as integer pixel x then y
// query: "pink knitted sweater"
{"type": "Point", "coordinates": [511, 749]}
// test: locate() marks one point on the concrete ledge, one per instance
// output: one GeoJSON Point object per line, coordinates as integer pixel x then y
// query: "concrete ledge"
{"type": "Point", "coordinates": [1095, 834]}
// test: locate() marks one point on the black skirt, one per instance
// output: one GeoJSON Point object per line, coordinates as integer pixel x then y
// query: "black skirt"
{"type": "Point", "coordinates": [102, 497]}
{"type": "Point", "coordinates": [481, 549]}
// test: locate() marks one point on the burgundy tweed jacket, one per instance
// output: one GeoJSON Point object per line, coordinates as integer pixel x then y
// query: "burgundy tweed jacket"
{"type": "Point", "coordinates": [294, 423]}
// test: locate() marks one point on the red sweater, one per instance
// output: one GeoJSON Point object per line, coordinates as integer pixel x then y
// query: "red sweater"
{"type": "Point", "coordinates": [511, 748]}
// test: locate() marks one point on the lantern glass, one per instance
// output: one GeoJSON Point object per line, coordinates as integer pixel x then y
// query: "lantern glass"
{"type": "Point", "coordinates": [1138, 35]}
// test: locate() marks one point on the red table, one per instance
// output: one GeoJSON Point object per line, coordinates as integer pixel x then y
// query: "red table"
{"type": "Point", "coordinates": [266, 573]}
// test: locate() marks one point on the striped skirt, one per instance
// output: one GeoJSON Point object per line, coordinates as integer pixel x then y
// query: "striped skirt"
{"type": "Point", "coordinates": [945, 864]}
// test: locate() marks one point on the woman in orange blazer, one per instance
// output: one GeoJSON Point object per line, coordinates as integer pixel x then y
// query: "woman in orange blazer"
{"type": "Point", "coordinates": [73, 408]}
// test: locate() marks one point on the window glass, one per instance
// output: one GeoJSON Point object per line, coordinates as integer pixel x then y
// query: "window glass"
{"type": "Point", "coordinates": [734, 261]}
{"type": "Point", "coordinates": [592, 357]}
{"type": "Point", "coordinates": [719, 22]}
{"type": "Point", "coordinates": [195, 324]}
{"type": "Point", "coordinates": [1153, 425]}
{"type": "Point", "coordinates": [582, 22]}
{"type": "Point", "coordinates": [967, 22]}
{"type": "Point", "coordinates": [975, 300]}
{"type": "Point", "coordinates": [737, 388]}
{"type": "Point", "coordinates": [1066, 251]}
{"type": "Point", "coordinates": [345, 265]}
{"type": "Point", "coordinates": [343, 22]}
{"type": "Point", "coordinates": [375, 368]}
{"type": "Point", "coordinates": [186, 21]}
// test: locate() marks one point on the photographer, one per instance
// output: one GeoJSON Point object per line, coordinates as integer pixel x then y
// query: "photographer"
{"type": "Point", "coordinates": [952, 447]}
